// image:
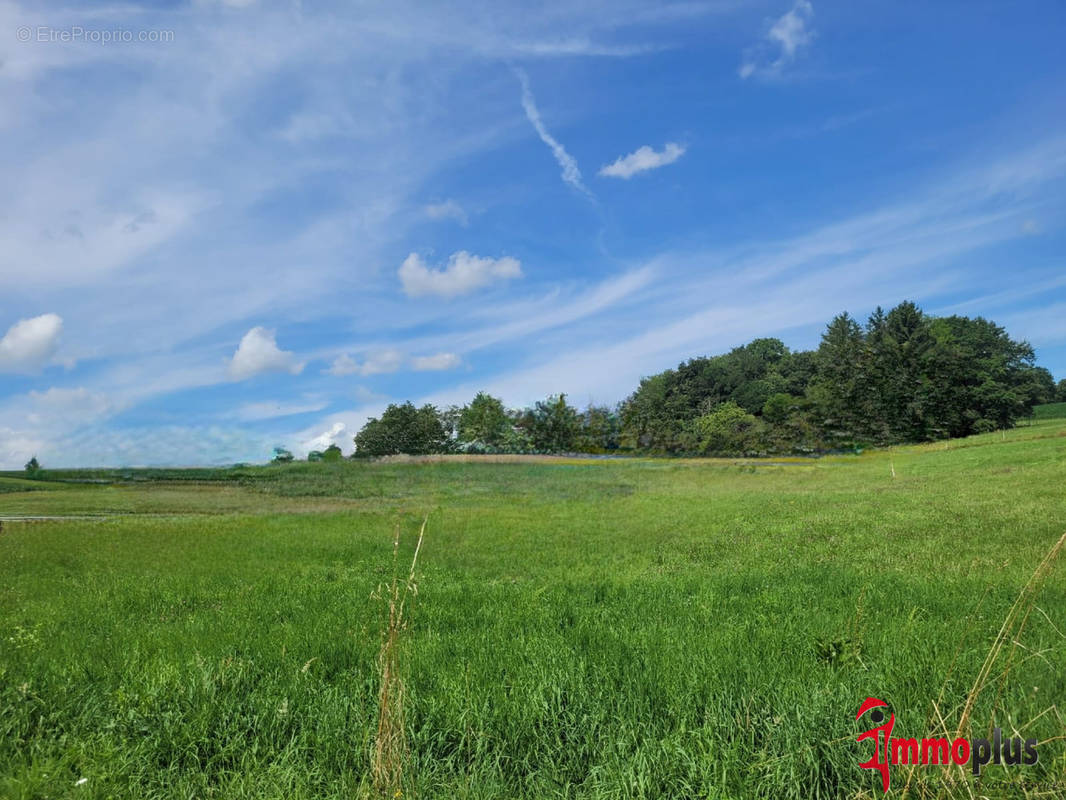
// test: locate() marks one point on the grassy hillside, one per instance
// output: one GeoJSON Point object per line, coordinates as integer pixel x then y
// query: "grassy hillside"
{"type": "Point", "coordinates": [582, 629]}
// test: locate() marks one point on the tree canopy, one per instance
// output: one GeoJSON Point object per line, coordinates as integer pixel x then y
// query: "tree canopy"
{"type": "Point", "coordinates": [903, 376]}
{"type": "Point", "coordinates": [404, 429]}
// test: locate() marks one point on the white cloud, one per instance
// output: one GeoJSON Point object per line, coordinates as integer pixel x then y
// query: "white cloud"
{"type": "Point", "coordinates": [791, 31]}
{"type": "Point", "coordinates": [337, 434]}
{"type": "Point", "coordinates": [440, 361]}
{"type": "Point", "coordinates": [382, 362]}
{"type": "Point", "coordinates": [258, 352]}
{"type": "Point", "coordinates": [643, 159]}
{"type": "Point", "coordinates": [789, 34]}
{"type": "Point", "coordinates": [343, 365]}
{"type": "Point", "coordinates": [571, 173]}
{"type": "Point", "coordinates": [465, 273]}
{"type": "Point", "coordinates": [30, 343]}
{"type": "Point", "coordinates": [448, 209]}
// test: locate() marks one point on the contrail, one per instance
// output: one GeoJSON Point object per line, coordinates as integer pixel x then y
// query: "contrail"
{"type": "Point", "coordinates": [571, 174]}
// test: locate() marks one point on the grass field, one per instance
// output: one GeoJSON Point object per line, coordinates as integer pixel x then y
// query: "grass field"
{"type": "Point", "coordinates": [581, 629]}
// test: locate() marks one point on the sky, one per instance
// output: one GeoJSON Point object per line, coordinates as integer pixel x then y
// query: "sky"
{"type": "Point", "coordinates": [230, 226]}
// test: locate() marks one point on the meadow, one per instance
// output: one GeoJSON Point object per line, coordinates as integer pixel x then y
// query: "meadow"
{"type": "Point", "coordinates": [628, 628]}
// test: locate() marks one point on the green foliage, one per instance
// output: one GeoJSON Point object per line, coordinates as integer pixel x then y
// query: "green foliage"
{"type": "Point", "coordinates": [598, 431]}
{"type": "Point", "coordinates": [1050, 411]}
{"type": "Point", "coordinates": [905, 377]}
{"type": "Point", "coordinates": [282, 456]}
{"type": "Point", "coordinates": [979, 373]}
{"type": "Point", "coordinates": [552, 425]}
{"type": "Point", "coordinates": [403, 429]}
{"type": "Point", "coordinates": [839, 652]}
{"type": "Point", "coordinates": [657, 416]}
{"type": "Point", "coordinates": [654, 415]}
{"type": "Point", "coordinates": [332, 453]}
{"type": "Point", "coordinates": [728, 429]}
{"type": "Point", "coordinates": [516, 439]}
{"type": "Point", "coordinates": [484, 421]}
{"type": "Point", "coordinates": [1039, 387]}
{"type": "Point", "coordinates": [838, 389]}
{"type": "Point", "coordinates": [33, 467]}
{"type": "Point", "coordinates": [778, 407]}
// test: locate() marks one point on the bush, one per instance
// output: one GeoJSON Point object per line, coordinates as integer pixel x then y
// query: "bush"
{"type": "Point", "coordinates": [729, 429]}
{"type": "Point", "coordinates": [282, 456]}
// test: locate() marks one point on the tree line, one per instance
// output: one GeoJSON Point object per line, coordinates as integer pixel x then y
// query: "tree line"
{"type": "Point", "coordinates": [903, 376]}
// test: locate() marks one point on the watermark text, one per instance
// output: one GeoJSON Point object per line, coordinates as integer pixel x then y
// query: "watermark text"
{"type": "Point", "coordinates": [74, 34]}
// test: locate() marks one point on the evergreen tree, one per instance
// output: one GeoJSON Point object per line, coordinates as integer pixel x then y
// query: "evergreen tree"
{"type": "Point", "coordinates": [840, 389]}
{"type": "Point", "coordinates": [484, 420]}
{"type": "Point", "coordinates": [903, 390]}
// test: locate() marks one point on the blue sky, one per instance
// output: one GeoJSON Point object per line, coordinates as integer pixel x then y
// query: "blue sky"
{"type": "Point", "coordinates": [233, 225]}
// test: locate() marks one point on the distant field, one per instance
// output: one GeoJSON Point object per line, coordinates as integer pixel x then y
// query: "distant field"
{"type": "Point", "coordinates": [582, 628]}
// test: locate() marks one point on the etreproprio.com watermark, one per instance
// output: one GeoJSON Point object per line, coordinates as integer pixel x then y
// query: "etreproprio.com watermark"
{"type": "Point", "coordinates": [76, 34]}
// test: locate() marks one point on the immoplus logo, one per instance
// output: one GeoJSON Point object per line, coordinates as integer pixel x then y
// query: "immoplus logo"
{"type": "Point", "coordinates": [890, 750]}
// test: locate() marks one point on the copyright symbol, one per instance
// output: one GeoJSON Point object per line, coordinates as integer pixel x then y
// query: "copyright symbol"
{"type": "Point", "coordinates": [23, 33]}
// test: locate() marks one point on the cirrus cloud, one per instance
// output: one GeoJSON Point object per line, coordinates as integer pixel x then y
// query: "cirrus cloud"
{"type": "Point", "coordinates": [641, 160]}
{"type": "Point", "coordinates": [79, 404]}
{"type": "Point", "coordinates": [571, 173]}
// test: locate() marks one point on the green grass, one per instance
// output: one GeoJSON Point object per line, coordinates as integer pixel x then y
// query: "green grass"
{"type": "Point", "coordinates": [599, 629]}
{"type": "Point", "coordinates": [1050, 411]}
